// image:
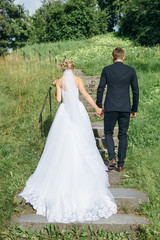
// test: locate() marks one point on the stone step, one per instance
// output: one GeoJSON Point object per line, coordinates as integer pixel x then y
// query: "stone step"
{"type": "Point", "coordinates": [91, 79]}
{"type": "Point", "coordinates": [100, 141]}
{"type": "Point", "coordinates": [89, 108]}
{"type": "Point", "coordinates": [105, 152]}
{"type": "Point", "coordinates": [124, 197]}
{"type": "Point", "coordinates": [114, 177]}
{"type": "Point", "coordinates": [115, 223]}
{"type": "Point", "coordinates": [99, 132]}
{"type": "Point", "coordinates": [78, 72]}
{"type": "Point", "coordinates": [92, 113]}
{"type": "Point", "coordinates": [91, 85]}
{"type": "Point", "coordinates": [129, 198]}
{"type": "Point", "coordinates": [98, 129]}
{"type": "Point", "coordinates": [86, 104]}
{"type": "Point", "coordinates": [93, 90]}
{"type": "Point", "coordinates": [98, 124]}
{"type": "Point", "coordinates": [81, 98]}
{"type": "Point", "coordinates": [93, 94]}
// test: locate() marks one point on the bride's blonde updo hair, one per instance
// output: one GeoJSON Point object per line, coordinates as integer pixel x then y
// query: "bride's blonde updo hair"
{"type": "Point", "coordinates": [67, 64]}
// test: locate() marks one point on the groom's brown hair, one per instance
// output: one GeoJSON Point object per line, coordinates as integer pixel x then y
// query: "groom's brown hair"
{"type": "Point", "coordinates": [118, 53]}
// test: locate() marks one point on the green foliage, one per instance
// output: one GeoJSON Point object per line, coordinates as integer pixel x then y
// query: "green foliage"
{"type": "Point", "coordinates": [14, 25]}
{"type": "Point", "coordinates": [141, 21]}
{"type": "Point", "coordinates": [113, 9]}
{"type": "Point", "coordinates": [59, 20]}
{"type": "Point", "coordinates": [137, 19]}
{"type": "Point", "coordinates": [23, 85]}
{"type": "Point", "coordinates": [52, 232]}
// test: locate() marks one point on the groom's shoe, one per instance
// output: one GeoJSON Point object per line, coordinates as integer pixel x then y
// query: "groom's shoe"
{"type": "Point", "coordinates": [120, 169]}
{"type": "Point", "coordinates": [112, 163]}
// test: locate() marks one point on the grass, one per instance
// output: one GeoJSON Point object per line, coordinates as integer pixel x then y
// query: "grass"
{"type": "Point", "coordinates": [51, 232]}
{"type": "Point", "coordinates": [23, 85]}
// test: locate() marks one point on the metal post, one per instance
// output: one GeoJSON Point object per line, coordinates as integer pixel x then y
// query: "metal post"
{"type": "Point", "coordinates": [40, 116]}
{"type": "Point", "coordinates": [50, 56]}
{"type": "Point", "coordinates": [40, 120]}
{"type": "Point", "coordinates": [39, 54]}
{"type": "Point", "coordinates": [24, 55]}
{"type": "Point", "coordinates": [50, 99]}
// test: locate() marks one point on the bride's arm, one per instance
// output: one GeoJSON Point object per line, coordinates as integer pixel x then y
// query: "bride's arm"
{"type": "Point", "coordinates": [58, 90]}
{"type": "Point", "coordinates": [88, 97]}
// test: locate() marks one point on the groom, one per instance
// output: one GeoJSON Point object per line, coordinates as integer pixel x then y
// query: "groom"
{"type": "Point", "coordinates": [118, 77]}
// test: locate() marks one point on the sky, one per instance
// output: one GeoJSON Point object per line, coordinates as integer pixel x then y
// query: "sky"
{"type": "Point", "coordinates": [31, 5]}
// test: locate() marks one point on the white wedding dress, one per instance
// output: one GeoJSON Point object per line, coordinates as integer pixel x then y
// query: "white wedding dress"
{"type": "Point", "coordinates": [70, 183]}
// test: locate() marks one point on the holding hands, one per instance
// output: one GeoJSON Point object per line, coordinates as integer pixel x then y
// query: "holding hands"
{"type": "Point", "coordinates": [79, 82]}
{"type": "Point", "coordinates": [133, 114]}
{"type": "Point", "coordinates": [99, 112]}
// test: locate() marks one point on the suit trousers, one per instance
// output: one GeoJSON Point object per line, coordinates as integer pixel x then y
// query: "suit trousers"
{"type": "Point", "coordinates": [110, 119]}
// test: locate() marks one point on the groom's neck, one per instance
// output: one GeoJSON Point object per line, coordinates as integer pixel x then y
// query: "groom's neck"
{"type": "Point", "coordinates": [118, 60]}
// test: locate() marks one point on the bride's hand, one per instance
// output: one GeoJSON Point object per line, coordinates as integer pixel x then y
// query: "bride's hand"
{"type": "Point", "coordinates": [54, 83]}
{"type": "Point", "coordinates": [99, 112]}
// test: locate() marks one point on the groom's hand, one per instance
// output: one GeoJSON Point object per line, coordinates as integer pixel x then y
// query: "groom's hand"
{"type": "Point", "coordinates": [102, 114]}
{"type": "Point", "coordinates": [99, 112]}
{"type": "Point", "coordinates": [133, 114]}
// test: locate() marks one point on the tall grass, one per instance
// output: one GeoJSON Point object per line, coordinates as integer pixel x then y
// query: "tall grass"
{"type": "Point", "coordinates": [23, 85]}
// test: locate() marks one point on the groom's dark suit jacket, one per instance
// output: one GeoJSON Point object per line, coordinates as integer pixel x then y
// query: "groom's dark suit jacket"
{"type": "Point", "coordinates": [118, 77]}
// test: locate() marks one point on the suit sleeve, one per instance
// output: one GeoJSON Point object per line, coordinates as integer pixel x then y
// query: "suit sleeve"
{"type": "Point", "coordinates": [100, 89]}
{"type": "Point", "coordinates": [135, 90]}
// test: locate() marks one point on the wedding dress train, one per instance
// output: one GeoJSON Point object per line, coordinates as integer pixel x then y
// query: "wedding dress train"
{"type": "Point", "coordinates": [70, 183]}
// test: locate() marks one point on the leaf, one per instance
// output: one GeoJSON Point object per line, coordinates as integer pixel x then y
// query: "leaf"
{"type": "Point", "coordinates": [21, 228]}
{"type": "Point", "coordinates": [84, 234]}
{"type": "Point", "coordinates": [126, 176]}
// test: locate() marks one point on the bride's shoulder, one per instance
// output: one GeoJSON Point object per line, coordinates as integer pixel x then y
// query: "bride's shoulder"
{"type": "Point", "coordinates": [59, 82]}
{"type": "Point", "coordinates": [78, 81]}
{"type": "Point", "coordinates": [78, 78]}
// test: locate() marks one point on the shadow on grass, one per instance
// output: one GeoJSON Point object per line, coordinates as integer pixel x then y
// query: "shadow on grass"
{"type": "Point", "coordinates": [47, 124]}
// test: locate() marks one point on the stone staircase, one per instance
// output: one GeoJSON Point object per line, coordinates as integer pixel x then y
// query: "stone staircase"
{"type": "Point", "coordinates": [126, 199]}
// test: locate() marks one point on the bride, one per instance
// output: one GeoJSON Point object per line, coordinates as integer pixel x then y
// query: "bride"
{"type": "Point", "coordinates": [70, 183]}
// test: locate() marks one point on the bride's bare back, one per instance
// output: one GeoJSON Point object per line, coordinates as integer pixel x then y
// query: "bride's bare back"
{"type": "Point", "coordinates": [80, 86]}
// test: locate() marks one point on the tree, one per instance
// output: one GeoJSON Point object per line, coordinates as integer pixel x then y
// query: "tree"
{"type": "Point", "coordinates": [13, 24]}
{"type": "Point", "coordinates": [141, 21]}
{"type": "Point", "coordinates": [114, 12]}
{"type": "Point", "coordinates": [39, 23]}
{"type": "Point", "coordinates": [72, 19]}
{"type": "Point", "coordinates": [81, 19]}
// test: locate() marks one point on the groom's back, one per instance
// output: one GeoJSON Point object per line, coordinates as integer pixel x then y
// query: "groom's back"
{"type": "Point", "coordinates": [118, 79]}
